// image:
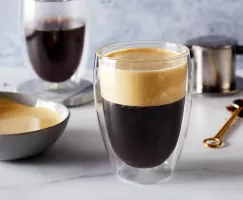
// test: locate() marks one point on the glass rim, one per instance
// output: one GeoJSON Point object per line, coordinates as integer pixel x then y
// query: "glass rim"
{"type": "Point", "coordinates": [185, 53]}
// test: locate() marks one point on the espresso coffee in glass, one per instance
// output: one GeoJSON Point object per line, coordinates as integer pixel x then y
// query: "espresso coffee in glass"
{"type": "Point", "coordinates": [54, 33]}
{"type": "Point", "coordinates": [55, 47]}
{"type": "Point", "coordinates": [142, 93]}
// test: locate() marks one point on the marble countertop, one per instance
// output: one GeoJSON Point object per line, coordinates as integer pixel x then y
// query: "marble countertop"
{"type": "Point", "coordinates": [76, 167]}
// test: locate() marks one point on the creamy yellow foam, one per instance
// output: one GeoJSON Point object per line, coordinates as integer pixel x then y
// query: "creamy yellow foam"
{"type": "Point", "coordinates": [133, 80]}
{"type": "Point", "coordinates": [18, 118]}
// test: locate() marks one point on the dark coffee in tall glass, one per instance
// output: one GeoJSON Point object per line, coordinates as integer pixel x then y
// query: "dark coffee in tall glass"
{"type": "Point", "coordinates": [143, 104]}
{"type": "Point", "coordinates": [55, 48]}
{"type": "Point", "coordinates": [54, 33]}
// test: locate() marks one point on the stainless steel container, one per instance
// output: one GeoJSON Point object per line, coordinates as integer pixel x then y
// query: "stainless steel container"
{"type": "Point", "coordinates": [214, 63]}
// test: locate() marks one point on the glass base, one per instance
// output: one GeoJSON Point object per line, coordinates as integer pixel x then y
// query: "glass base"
{"type": "Point", "coordinates": [145, 176]}
{"type": "Point", "coordinates": [67, 93]}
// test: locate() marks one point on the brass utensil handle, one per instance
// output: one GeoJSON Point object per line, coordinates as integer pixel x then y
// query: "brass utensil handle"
{"type": "Point", "coordinates": [212, 142]}
{"type": "Point", "coordinates": [228, 123]}
{"type": "Point", "coordinates": [216, 141]}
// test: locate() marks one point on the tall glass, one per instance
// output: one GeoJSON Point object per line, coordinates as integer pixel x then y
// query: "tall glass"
{"type": "Point", "coordinates": [143, 98]}
{"type": "Point", "coordinates": [54, 37]}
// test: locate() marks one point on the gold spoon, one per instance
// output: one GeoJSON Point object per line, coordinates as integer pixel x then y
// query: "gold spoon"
{"type": "Point", "coordinates": [216, 141]}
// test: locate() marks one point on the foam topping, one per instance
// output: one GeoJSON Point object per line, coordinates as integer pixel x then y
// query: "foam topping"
{"type": "Point", "coordinates": [134, 81]}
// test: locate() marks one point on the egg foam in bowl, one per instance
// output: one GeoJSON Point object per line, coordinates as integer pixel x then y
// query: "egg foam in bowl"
{"type": "Point", "coordinates": [17, 118]}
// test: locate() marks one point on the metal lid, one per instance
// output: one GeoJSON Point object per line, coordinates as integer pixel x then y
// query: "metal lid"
{"type": "Point", "coordinates": [212, 41]}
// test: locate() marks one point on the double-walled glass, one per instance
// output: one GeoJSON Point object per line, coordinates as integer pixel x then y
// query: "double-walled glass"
{"type": "Point", "coordinates": [143, 107]}
{"type": "Point", "coordinates": [54, 33]}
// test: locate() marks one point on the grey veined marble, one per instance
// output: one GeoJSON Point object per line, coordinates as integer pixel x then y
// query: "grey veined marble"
{"type": "Point", "coordinates": [169, 20]}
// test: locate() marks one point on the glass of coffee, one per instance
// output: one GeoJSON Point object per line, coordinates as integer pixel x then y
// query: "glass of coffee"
{"type": "Point", "coordinates": [54, 35]}
{"type": "Point", "coordinates": [143, 98]}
